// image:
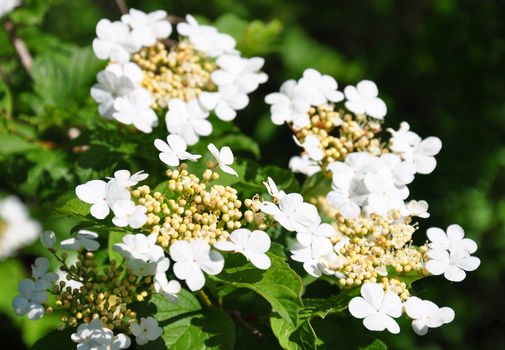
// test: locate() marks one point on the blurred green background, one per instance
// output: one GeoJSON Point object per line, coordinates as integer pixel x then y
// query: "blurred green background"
{"type": "Point", "coordinates": [439, 64]}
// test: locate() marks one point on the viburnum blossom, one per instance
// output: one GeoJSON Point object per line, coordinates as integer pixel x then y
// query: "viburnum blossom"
{"type": "Point", "coordinates": [85, 239]}
{"type": "Point", "coordinates": [174, 150]}
{"type": "Point", "coordinates": [147, 27]}
{"type": "Point", "coordinates": [321, 87]}
{"type": "Point", "coordinates": [169, 289]}
{"type": "Point", "coordinates": [145, 331]}
{"type": "Point", "coordinates": [41, 275]}
{"type": "Point", "coordinates": [30, 301]}
{"type": "Point", "coordinates": [418, 208]}
{"type": "Point", "coordinates": [452, 241]}
{"type": "Point", "coordinates": [290, 104]}
{"type": "Point", "coordinates": [126, 213]}
{"type": "Point", "coordinates": [273, 190]}
{"type": "Point", "coordinates": [48, 239]}
{"type": "Point", "coordinates": [96, 336]}
{"type": "Point", "coordinates": [187, 120]}
{"type": "Point", "coordinates": [252, 244]}
{"type": "Point", "coordinates": [303, 164]}
{"type": "Point", "coordinates": [114, 41]}
{"type": "Point", "coordinates": [453, 265]}
{"type": "Point", "coordinates": [377, 309]}
{"type": "Point", "coordinates": [426, 314]}
{"type": "Point", "coordinates": [363, 99]}
{"type": "Point", "coordinates": [241, 72]}
{"type": "Point", "coordinates": [311, 254]}
{"type": "Point", "coordinates": [135, 108]}
{"type": "Point", "coordinates": [225, 102]}
{"type": "Point", "coordinates": [224, 158]}
{"type": "Point", "coordinates": [194, 258]}
{"type": "Point", "coordinates": [125, 179]}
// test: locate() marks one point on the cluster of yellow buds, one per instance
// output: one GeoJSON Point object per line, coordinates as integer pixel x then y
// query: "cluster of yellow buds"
{"type": "Point", "coordinates": [192, 208]}
{"type": "Point", "coordinates": [369, 245]}
{"type": "Point", "coordinates": [174, 72]}
{"type": "Point", "coordinates": [106, 294]}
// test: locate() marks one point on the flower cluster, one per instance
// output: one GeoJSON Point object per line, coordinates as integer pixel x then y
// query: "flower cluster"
{"type": "Point", "coordinates": [188, 79]}
{"type": "Point", "coordinates": [359, 227]}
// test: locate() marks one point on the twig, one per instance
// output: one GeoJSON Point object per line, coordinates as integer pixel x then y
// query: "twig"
{"type": "Point", "coordinates": [121, 4]}
{"type": "Point", "coordinates": [19, 45]}
{"type": "Point", "coordinates": [175, 19]}
{"type": "Point", "coordinates": [237, 316]}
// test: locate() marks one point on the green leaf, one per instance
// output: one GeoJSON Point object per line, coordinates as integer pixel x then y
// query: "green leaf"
{"type": "Point", "coordinates": [74, 207]}
{"type": "Point", "coordinates": [165, 309]}
{"type": "Point", "coordinates": [376, 345]}
{"type": "Point", "coordinates": [291, 337]}
{"type": "Point", "coordinates": [12, 144]}
{"type": "Point", "coordinates": [5, 100]}
{"type": "Point", "coordinates": [239, 142]}
{"type": "Point", "coordinates": [324, 307]}
{"type": "Point", "coordinates": [56, 340]}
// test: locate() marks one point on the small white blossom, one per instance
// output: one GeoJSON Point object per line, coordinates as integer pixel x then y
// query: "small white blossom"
{"type": "Point", "coordinates": [311, 255]}
{"type": "Point", "coordinates": [426, 314]}
{"type": "Point", "coordinates": [48, 239]}
{"type": "Point", "coordinates": [347, 193]}
{"type": "Point", "coordinates": [125, 179]}
{"type": "Point", "coordinates": [128, 214]}
{"type": "Point", "coordinates": [224, 158]}
{"type": "Point", "coordinates": [94, 336]}
{"type": "Point", "coordinates": [7, 6]}
{"type": "Point", "coordinates": [451, 264]}
{"type": "Point", "coordinates": [292, 212]}
{"type": "Point", "coordinates": [114, 41]}
{"type": "Point", "coordinates": [147, 27]}
{"type": "Point", "coordinates": [321, 87]}
{"type": "Point", "coordinates": [18, 229]}
{"type": "Point", "coordinates": [145, 331]}
{"type": "Point", "coordinates": [303, 164]}
{"type": "Point", "coordinates": [244, 73]}
{"type": "Point", "coordinates": [135, 108]}
{"type": "Point", "coordinates": [187, 120]}
{"type": "Point", "coordinates": [252, 244]}
{"type": "Point", "coordinates": [85, 239]}
{"type": "Point", "coordinates": [377, 309]}
{"type": "Point", "coordinates": [41, 275]}
{"type": "Point", "coordinates": [174, 150]}
{"type": "Point", "coordinates": [192, 259]}
{"type": "Point", "coordinates": [418, 208]}
{"type": "Point", "coordinates": [312, 146]}
{"type": "Point", "coordinates": [453, 241]}
{"type": "Point", "coordinates": [414, 149]}
{"type": "Point", "coordinates": [273, 190]}
{"type": "Point", "coordinates": [290, 104]}
{"type": "Point", "coordinates": [116, 80]}
{"type": "Point", "coordinates": [30, 301]}
{"type": "Point", "coordinates": [169, 289]}
{"type": "Point", "coordinates": [363, 99]}
{"type": "Point", "coordinates": [206, 38]}
{"type": "Point", "coordinates": [225, 102]}
{"type": "Point", "coordinates": [324, 230]}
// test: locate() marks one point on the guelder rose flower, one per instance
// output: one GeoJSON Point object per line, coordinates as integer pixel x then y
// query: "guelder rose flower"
{"type": "Point", "coordinates": [136, 109]}
{"type": "Point", "coordinates": [303, 164]}
{"type": "Point", "coordinates": [147, 27]}
{"type": "Point", "coordinates": [30, 301]}
{"type": "Point", "coordinates": [292, 212]}
{"type": "Point", "coordinates": [169, 289]}
{"type": "Point", "coordinates": [426, 314]}
{"type": "Point", "coordinates": [128, 214]}
{"type": "Point", "coordinates": [311, 255]}
{"type": "Point", "coordinates": [174, 150]}
{"type": "Point", "coordinates": [321, 87]}
{"type": "Point", "coordinates": [48, 239]}
{"type": "Point", "coordinates": [96, 336]}
{"type": "Point", "coordinates": [224, 158]}
{"type": "Point", "coordinates": [114, 41]}
{"type": "Point", "coordinates": [377, 309]}
{"type": "Point", "coordinates": [418, 208]}
{"type": "Point", "coordinates": [363, 99]}
{"type": "Point", "coordinates": [192, 259]}
{"type": "Point", "coordinates": [253, 245]}
{"type": "Point", "coordinates": [41, 275]}
{"type": "Point", "coordinates": [312, 146]}
{"type": "Point", "coordinates": [290, 104]}
{"type": "Point", "coordinates": [225, 102]}
{"type": "Point", "coordinates": [242, 72]}
{"type": "Point", "coordinates": [187, 120]}
{"type": "Point", "coordinates": [451, 264]}
{"type": "Point", "coordinates": [85, 239]}
{"type": "Point", "coordinates": [101, 195]}
{"type": "Point", "coordinates": [273, 190]}
{"type": "Point", "coordinates": [148, 330]}
{"type": "Point", "coordinates": [125, 179]}
{"type": "Point", "coordinates": [453, 241]}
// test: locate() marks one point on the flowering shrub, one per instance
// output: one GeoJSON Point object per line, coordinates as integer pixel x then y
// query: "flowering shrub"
{"type": "Point", "coordinates": [202, 249]}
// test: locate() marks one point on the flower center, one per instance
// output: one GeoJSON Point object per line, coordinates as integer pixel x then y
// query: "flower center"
{"type": "Point", "coordinates": [175, 72]}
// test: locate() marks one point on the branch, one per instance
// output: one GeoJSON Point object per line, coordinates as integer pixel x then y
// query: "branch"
{"type": "Point", "coordinates": [19, 45]}
{"type": "Point", "coordinates": [237, 316]}
{"type": "Point", "coordinates": [175, 19]}
{"type": "Point", "coordinates": [121, 4]}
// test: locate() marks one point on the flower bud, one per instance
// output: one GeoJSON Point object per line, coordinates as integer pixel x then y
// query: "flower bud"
{"type": "Point", "coordinates": [48, 239]}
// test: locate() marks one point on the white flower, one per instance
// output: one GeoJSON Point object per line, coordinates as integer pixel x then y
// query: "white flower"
{"type": "Point", "coordinates": [17, 229]}
{"type": "Point", "coordinates": [402, 171]}
{"type": "Point", "coordinates": [312, 146]}
{"type": "Point", "coordinates": [174, 150]}
{"type": "Point", "coordinates": [426, 314]}
{"type": "Point", "coordinates": [418, 208]}
{"type": "Point", "coordinates": [303, 164]}
{"type": "Point", "coordinates": [30, 301]}
{"type": "Point", "coordinates": [384, 195]}
{"type": "Point", "coordinates": [125, 179]}
{"type": "Point", "coordinates": [128, 214]}
{"type": "Point", "coordinates": [224, 158]}
{"type": "Point", "coordinates": [94, 336]}
{"type": "Point", "coordinates": [85, 239]}
{"type": "Point", "coordinates": [43, 279]}
{"type": "Point", "coordinates": [253, 245]}
{"type": "Point", "coordinates": [191, 258]}
{"type": "Point", "coordinates": [363, 99]}
{"type": "Point", "coordinates": [321, 88]}
{"type": "Point", "coordinates": [147, 27]}
{"type": "Point", "coordinates": [273, 190]}
{"type": "Point", "coordinates": [48, 239]}
{"type": "Point", "coordinates": [453, 241]}
{"type": "Point", "coordinates": [290, 104]}
{"type": "Point", "coordinates": [244, 73]}
{"type": "Point", "coordinates": [7, 6]}
{"type": "Point", "coordinates": [169, 289]}
{"type": "Point", "coordinates": [115, 81]}
{"type": "Point", "coordinates": [225, 102]}
{"type": "Point", "coordinates": [317, 231]}
{"type": "Point", "coordinates": [187, 120]}
{"type": "Point", "coordinates": [139, 246]}
{"type": "Point", "coordinates": [292, 212]}
{"type": "Point", "coordinates": [136, 109]}
{"type": "Point", "coordinates": [347, 192]}
{"type": "Point", "coordinates": [451, 264]}
{"type": "Point", "coordinates": [378, 309]}
{"type": "Point", "coordinates": [311, 255]}
{"type": "Point", "coordinates": [414, 149]}
{"type": "Point", "coordinates": [114, 41]}
{"type": "Point", "coordinates": [148, 330]}
{"type": "Point", "coordinates": [206, 38]}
